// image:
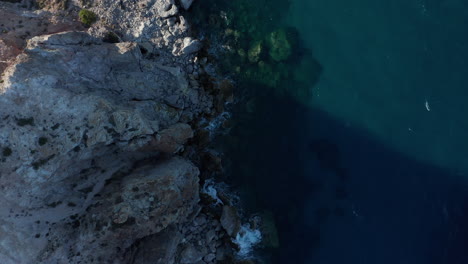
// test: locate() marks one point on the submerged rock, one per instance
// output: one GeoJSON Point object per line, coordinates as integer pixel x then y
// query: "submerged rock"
{"type": "Point", "coordinates": [268, 229]}
{"type": "Point", "coordinates": [255, 52]}
{"type": "Point", "coordinates": [280, 47]}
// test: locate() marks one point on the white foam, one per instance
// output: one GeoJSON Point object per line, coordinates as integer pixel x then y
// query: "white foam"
{"type": "Point", "coordinates": [218, 121]}
{"type": "Point", "coordinates": [209, 189]}
{"type": "Point", "coordinates": [428, 108]}
{"type": "Point", "coordinates": [246, 239]}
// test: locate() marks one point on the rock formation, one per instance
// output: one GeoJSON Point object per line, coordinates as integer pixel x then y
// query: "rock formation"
{"type": "Point", "coordinates": [94, 122]}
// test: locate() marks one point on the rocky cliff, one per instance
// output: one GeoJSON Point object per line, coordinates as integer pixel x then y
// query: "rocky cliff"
{"type": "Point", "coordinates": [94, 119]}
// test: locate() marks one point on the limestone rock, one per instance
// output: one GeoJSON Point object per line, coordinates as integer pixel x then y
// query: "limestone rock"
{"type": "Point", "coordinates": [172, 139]}
{"type": "Point", "coordinates": [20, 24]}
{"type": "Point", "coordinates": [230, 220]}
{"type": "Point", "coordinates": [191, 255]}
{"type": "Point", "coordinates": [190, 46]}
{"type": "Point", "coordinates": [87, 139]}
{"type": "Point", "coordinates": [156, 249]}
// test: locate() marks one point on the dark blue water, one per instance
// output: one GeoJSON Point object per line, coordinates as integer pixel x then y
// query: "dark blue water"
{"type": "Point", "coordinates": [339, 195]}
{"type": "Point", "coordinates": [366, 159]}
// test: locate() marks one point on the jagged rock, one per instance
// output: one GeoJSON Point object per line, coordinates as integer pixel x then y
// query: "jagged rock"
{"type": "Point", "coordinates": [172, 139]}
{"type": "Point", "coordinates": [209, 258]}
{"type": "Point", "coordinates": [222, 253]}
{"type": "Point", "coordinates": [200, 220]}
{"type": "Point", "coordinates": [142, 210]}
{"type": "Point", "coordinates": [190, 46]}
{"type": "Point", "coordinates": [156, 249]}
{"type": "Point", "coordinates": [230, 220]}
{"type": "Point", "coordinates": [210, 235]}
{"type": "Point", "coordinates": [191, 255]}
{"type": "Point", "coordinates": [87, 138]}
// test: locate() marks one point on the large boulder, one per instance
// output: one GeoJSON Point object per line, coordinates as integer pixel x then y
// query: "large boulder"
{"type": "Point", "coordinates": [230, 220]}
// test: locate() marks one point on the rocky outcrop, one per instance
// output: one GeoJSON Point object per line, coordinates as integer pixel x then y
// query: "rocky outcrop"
{"type": "Point", "coordinates": [19, 24]}
{"type": "Point", "coordinates": [93, 126]}
{"type": "Point", "coordinates": [230, 220]}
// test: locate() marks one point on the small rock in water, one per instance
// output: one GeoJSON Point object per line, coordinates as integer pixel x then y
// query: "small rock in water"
{"type": "Point", "coordinates": [186, 3]}
{"type": "Point", "coordinates": [230, 220]}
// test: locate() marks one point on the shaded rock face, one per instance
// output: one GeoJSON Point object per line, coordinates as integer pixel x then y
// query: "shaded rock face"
{"type": "Point", "coordinates": [91, 136]}
{"type": "Point", "coordinates": [156, 249]}
{"type": "Point", "coordinates": [230, 220]}
{"type": "Point", "coordinates": [135, 205]}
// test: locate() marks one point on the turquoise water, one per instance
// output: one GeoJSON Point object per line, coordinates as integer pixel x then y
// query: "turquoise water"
{"type": "Point", "coordinates": [394, 83]}
{"type": "Point", "coordinates": [383, 60]}
{"type": "Point", "coordinates": [363, 157]}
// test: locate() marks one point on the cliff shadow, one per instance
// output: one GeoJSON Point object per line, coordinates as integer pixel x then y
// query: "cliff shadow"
{"type": "Point", "coordinates": [340, 195]}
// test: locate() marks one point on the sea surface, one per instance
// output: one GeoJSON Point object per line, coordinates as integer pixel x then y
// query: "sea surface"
{"type": "Point", "coordinates": [370, 163]}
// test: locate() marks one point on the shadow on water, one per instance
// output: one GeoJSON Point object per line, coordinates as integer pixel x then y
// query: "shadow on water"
{"type": "Point", "coordinates": [338, 195]}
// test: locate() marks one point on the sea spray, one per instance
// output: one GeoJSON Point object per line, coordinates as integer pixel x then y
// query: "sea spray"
{"type": "Point", "coordinates": [215, 123]}
{"type": "Point", "coordinates": [246, 239]}
{"type": "Point", "coordinates": [210, 190]}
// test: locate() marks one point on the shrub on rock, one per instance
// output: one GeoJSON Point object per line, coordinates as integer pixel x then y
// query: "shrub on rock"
{"type": "Point", "coordinates": [87, 17]}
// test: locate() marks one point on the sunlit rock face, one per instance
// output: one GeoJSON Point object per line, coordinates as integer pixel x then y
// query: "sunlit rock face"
{"type": "Point", "coordinates": [92, 131]}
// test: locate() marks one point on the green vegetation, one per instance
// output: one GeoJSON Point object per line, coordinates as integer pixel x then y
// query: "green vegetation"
{"type": "Point", "coordinates": [111, 37]}
{"type": "Point", "coordinates": [7, 152]}
{"type": "Point", "coordinates": [264, 53]}
{"type": "Point", "coordinates": [41, 162]}
{"type": "Point", "coordinates": [87, 17]}
{"type": "Point", "coordinates": [54, 204]}
{"type": "Point", "coordinates": [25, 121]}
{"type": "Point", "coordinates": [42, 141]}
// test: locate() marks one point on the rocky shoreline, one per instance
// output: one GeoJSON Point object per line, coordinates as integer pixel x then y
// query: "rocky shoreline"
{"type": "Point", "coordinates": [107, 112]}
